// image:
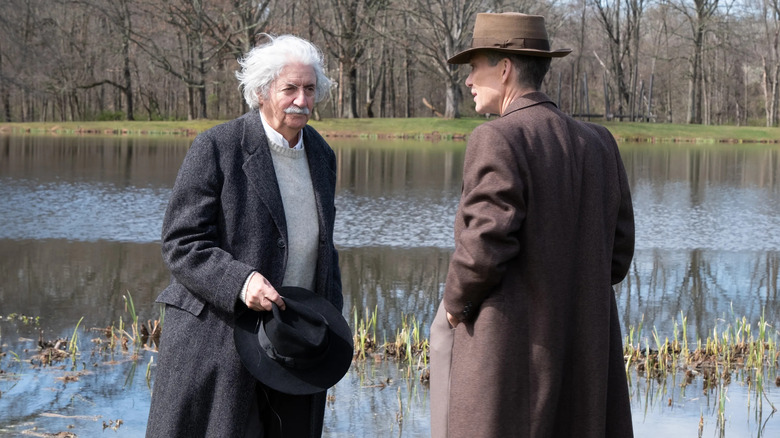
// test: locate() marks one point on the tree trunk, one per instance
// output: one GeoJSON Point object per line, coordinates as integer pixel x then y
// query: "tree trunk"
{"type": "Point", "coordinates": [408, 84]}
{"type": "Point", "coordinates": [383, 91]}
{"type": "Point", "coordinates": [7, 104]}
{"type": "Point", "coordinates": [128, 83]}
{"type": "Point", "coordinates": [369, 106]}
{"type": "Point", "coordinates": [350, 110]}
{"type": "Point", "coordinates": [694, 87]}
{"type": "Point", "coordinates": [453, 96]}
{"type": "Point", "coordinates": [190, 103]}
{"type": "Point", "coordinates": [5, 94]}
{"type": "Point", "coordinates": [348, 89]}
{"type": "Point", "coordinates": [775, 119]}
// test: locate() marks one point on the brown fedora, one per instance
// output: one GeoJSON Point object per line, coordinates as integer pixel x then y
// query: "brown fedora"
{"type": "Point", "coordinates": [509, 32]}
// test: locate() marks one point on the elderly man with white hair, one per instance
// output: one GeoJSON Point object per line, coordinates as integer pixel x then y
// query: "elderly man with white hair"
{"type": "Point", "coordinates": [251, 214]}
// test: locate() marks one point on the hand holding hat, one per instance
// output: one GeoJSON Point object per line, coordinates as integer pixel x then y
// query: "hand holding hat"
{"type": "Point", "coordinates": [304, 349]}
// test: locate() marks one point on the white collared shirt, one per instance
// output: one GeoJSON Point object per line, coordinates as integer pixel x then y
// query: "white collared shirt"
{"type": "Point", "coordinates": [279, 138]}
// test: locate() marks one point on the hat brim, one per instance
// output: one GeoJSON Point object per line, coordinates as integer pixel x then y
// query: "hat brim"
{"type": "Point", "coordinates": [465, 56]}
{"type": "Point", "coordinates": [296, 381]}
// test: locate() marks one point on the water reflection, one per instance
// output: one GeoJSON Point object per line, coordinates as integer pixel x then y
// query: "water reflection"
{"type": "Point", "coordinates": [705, 197]}
{"type": "Point", "coordinates": [389, 168]}
{"type": "Point", "coordinates": [710, 288]}
{"type": "Point", "coordinates": [81, 222]}
{"type": "Point", "coordinates": [394, 282]}
{"type": "Point", "coordinates": [60, 281]}
{"type": "Point", "coordinates": [120, 161]}
{"type": "Point", "coordinates": [733, 165]}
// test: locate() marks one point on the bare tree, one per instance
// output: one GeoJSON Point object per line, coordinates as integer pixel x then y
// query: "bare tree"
{"type": "Point", "coordinates": [375, 72]}
{"type": "Point", "coordinates": [770, 59]}
{"type": "Point", "coordinates": [704, 60]}
{"type": "Point", "coordinates": [118, 15]}
{"type": "Point", "coordinates": [242, 20]}
{"type": "Point", "coordinates": [188, 57]}
{"type": "Point", "coordinates": [5, 90]}
{"type": "Point", "coordinates": [699, 16]}
{"type": "Point", "coordinates": [443, 28]}
{"type": "Point", "coordinates": [346, 27]}
{"type": "Point", "coordinates": [620, 20]}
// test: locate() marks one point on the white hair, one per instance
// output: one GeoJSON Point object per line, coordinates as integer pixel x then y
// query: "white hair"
{"type": "Point", "coordinates": [263, 64]}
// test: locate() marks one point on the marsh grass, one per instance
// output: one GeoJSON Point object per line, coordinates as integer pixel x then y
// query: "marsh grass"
{"type": "Point", "coordinates": [130, 306]}
{"type": "Point", "coordinates": [736, 347]}
{"type": "Point", "coordinates": [24, 319]}
{"type": "Point", "coordinates": [734, 351]}
{"type": "Point", "coordinates": [739, 347]}
{"type": "Point", "coordinates": [73, 344]}
{"type": "Point", "coordinates": [737, 351]}
{"type": "Point", "coordinates": [408, 346]}
{"type": "Point", "coordinates": [364, 336]}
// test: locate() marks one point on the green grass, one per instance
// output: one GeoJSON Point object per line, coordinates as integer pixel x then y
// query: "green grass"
{"type": "Point", "coordinates": [664, 132]}
{"type": "Point", "coordinates": [423, 128]}
{"type": "Point", "coordinates": [119, 127]}
{"type": "Point", "coordinates": [413, 127]}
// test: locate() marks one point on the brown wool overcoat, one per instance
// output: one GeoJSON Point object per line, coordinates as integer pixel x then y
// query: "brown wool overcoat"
{"type": "Point", "coordinates": [545, 227]}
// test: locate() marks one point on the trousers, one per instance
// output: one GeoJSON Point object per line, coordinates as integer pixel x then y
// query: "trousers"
{"type": "Point", "coordinates": [441, 361]}
{"type": "Point", "coordinates": [278, 415]}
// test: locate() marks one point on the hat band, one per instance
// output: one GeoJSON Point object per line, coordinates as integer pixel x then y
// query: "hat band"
{"type": "Point", "coordinates": [297, 363]}
{"type": "Point", "coordinates": [511, 43]}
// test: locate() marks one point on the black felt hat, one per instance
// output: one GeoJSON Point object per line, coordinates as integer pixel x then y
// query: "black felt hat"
{"type": "Point", "coordinates": [304, 349]}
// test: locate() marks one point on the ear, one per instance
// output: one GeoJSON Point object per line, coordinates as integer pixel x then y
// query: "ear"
{"type": "Point", "coordinates": [507, 70]}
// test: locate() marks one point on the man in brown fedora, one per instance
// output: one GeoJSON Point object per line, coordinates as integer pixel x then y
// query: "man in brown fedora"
{"type": "Point", "coordinates": [527, 342]}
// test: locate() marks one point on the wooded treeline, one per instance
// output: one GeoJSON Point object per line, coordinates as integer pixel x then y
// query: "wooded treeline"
{"type": "Point", "coordinates": [680, 61]}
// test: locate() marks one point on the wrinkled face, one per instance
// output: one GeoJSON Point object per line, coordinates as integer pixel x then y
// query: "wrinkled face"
{"type": "Point", "coordinates": [485, 83]}
{"type": "Point", "coordinates": [290, 100]}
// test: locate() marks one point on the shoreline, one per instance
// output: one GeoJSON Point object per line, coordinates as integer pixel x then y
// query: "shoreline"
{"type": "Point", "coordinates": [421, 129]}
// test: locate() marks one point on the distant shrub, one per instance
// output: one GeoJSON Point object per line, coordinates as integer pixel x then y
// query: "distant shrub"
{"type": "Point", "coordinates": [107, 116]}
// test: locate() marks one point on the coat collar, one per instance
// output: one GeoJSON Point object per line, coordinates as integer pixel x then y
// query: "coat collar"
{"type": "Point", "coordinates": [527, 100]}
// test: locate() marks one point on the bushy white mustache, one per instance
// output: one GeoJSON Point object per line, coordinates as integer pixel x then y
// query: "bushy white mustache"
{"type": "Point", "coordinates": [294, 109]}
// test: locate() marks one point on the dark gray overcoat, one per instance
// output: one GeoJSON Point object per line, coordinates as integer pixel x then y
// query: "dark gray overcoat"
{"type": "Point", "coordinates": [225, 219]}
{"type": "Point", "coordinates": [544, 229]}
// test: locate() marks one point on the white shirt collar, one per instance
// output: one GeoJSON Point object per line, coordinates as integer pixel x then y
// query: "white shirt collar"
{"type": "Point", "coordinates": [277, 137]}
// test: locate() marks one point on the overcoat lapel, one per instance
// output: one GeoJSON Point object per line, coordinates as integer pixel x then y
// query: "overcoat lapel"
{"type": "Point", "coordinates": [318, 168]}
{"type": "Point", "coordinates": [256, 168]}
{"type": "Point", "coordinates": [323, 189]}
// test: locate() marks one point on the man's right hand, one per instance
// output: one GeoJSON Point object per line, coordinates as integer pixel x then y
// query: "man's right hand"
{"type": "Point", "coordinates": [260, 294]}
{"type": "Point", "coordinates": [452, 320]}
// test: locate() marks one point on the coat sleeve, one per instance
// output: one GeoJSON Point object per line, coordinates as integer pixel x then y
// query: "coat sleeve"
{"type": "Point", "coordinates": [623, 245]}
{"type": "Point", "coordinates": [190, 233]}
{"type": "Point", "coordinates": [491, 211]}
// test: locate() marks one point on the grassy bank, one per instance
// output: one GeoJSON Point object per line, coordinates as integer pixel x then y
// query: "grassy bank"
{"type": "Point", "coordinates": [414, 128]}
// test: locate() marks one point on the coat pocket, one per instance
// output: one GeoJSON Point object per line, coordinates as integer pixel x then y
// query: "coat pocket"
{"type": "Point", "coordinates": [178, 296]}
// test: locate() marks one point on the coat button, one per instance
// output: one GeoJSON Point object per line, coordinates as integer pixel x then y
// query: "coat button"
{"type": "Point", "coordinates": [280, 243]}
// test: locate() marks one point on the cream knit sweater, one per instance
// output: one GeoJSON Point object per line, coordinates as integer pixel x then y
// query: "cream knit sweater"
{"type": "Point", "coordinates": [300, 209]}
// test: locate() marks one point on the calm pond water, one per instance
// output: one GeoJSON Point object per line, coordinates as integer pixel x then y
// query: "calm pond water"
{"type": "Point", "coordinates": [81, 221]}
